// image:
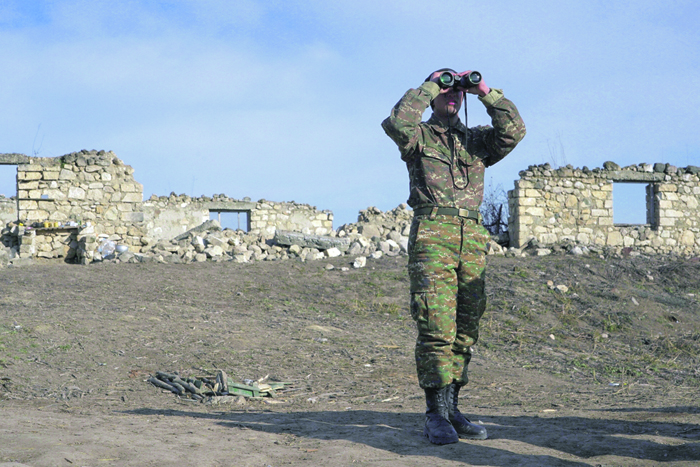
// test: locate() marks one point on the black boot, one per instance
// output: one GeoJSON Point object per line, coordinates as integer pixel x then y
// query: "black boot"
{"type": "Point", "coordinates": [464, 428]}
{"type": "Point", "coordinates": [437, 428]}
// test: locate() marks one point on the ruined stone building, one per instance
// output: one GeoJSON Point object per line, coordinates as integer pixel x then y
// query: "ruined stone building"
{"type": "Point", "coordinates": [65, 204]}
{"type": "Point", "coordinates": [576, 205]}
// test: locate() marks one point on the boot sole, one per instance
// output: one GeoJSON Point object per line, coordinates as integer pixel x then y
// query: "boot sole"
{"type": "Point", "coordinates": [440, 441]}
{"type": "Point", "coordinates": [477, 437]}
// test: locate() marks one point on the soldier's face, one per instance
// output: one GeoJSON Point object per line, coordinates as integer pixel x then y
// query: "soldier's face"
{"type": "Point", "coordinates": [448, 104]}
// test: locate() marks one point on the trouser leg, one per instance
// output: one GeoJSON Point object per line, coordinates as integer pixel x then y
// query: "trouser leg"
{"type": "Point", "coordinates": [471, 298]}
{"type": "Point", "coordinates": [433, 257]}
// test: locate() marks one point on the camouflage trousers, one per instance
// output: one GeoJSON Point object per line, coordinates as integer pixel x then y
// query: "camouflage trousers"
{"type": "Point", "coordinates": [447, 258]}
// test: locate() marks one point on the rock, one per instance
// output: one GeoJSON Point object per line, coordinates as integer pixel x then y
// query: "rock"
{"type": "Point", "coordinates": [360, 262]}
{"type": "Point", "coordinates": [369, 230]}
{"type": "Point", "coordinates": [333, 252]}
{"type": "Point", "coordinates": [320, 242]}
{"type": "Point", "coordinates": [355, 249]}
{"type": "Point", "coordinates": [214, 251]}
{"type": "Point", "coordinates": [577, 251]}
{"type": "Point", "coordinates": [203, 227]}
{"type": "Point", "coordinates": [212, 240]}
{"type": "Point", "coordinates": [493, 248]}
{"type": "Point", "coordinates": [659, 167]}
{"type": "Point", "coordinates": [376, 254]}
{"type": "Point", "coordinates": [385, 247]}
{"type": "Point", "coordinates": [395, 236]}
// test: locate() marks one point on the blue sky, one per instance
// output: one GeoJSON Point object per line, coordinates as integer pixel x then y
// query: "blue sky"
{"type": "Point", "coordinates": [283, 101]}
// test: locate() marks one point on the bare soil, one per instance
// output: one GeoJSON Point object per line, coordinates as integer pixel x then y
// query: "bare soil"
{"type": "Point", "coordinates": [604, 373]}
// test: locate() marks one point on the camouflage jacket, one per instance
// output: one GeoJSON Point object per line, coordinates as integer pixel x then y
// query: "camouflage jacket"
{"type": "Point", "coordinates": [446, 165]}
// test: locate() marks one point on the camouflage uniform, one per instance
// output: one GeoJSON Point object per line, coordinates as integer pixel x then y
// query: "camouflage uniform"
{"type": "Point", "coordinates": [447, 247]}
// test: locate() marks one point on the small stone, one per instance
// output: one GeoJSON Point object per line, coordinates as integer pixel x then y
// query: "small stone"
{"type": "Point", "coordinates": [551, 336]}
{"type": "Point", "coordinates": [333, 252]}
{"type": "Point", "coordinates": [360, 262]}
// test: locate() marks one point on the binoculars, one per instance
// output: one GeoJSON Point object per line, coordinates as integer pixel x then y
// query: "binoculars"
{"type": "Point", "coordinates": [448, 79]}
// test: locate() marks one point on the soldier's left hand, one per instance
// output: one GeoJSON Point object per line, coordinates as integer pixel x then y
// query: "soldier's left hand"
{"type": "Point", "coordinates": [480, 89]}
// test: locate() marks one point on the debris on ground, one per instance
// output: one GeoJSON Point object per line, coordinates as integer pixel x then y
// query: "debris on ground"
{"type": "Point", "coordinates": [215, 389]}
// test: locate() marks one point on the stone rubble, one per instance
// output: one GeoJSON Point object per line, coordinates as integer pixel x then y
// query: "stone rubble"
{"type": "Point", "coordinates": [374, 235]}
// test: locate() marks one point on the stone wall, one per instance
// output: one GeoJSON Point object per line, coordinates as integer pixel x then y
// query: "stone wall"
{"type": "Point", "coordinates": [93, 188]}
{"type": "Point", "coordinates": [8, 210]}
{"type": "Point", "coordinates": [68, 206]}
{"type": "Point", "coordinates": [268, 217]}
{"type": "Point", "coordinates": [169, 216]}
{"type": "Point", "coordinates": [576, 205]}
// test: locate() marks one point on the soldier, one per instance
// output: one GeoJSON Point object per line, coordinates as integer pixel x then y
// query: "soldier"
{"type": "Point", "coordinates": [447, 243]}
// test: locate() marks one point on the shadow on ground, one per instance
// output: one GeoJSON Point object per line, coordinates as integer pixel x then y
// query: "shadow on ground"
{"type": "Point", "coordinates": [401, 433]}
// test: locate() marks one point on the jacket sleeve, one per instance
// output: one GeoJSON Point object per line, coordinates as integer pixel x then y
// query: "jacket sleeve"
{"type": "Point", "coordinates": [402, 125]}
{"type": "Point", "coordinates": [508, 129]}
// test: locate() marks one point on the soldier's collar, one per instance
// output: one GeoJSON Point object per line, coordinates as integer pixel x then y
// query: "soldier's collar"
{"type": "Point", "coordinates": [440, 127]}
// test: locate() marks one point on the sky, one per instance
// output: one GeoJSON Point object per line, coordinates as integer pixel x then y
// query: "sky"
{"type": "Point", "coordinates": [283, 100]}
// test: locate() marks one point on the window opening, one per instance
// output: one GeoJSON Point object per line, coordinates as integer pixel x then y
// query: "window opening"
{"type": "Point", "coordinates": [8, 180]}
{"type": "Point", "coordinates": [234, 220]}
{"type": "Point", "coordinates": [633, 203]}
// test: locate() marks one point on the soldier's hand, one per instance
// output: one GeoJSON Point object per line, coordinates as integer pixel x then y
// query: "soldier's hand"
{"type": "Point", "coordinates": [480, 89]}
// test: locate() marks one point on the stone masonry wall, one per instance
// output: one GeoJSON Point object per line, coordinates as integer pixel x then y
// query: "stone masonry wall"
{"type": "Point", "coordinates": [169, 216]}
{"type": "Point", "coordinates": [93, 188]}
{"type": "Point", "coordinates": [68, 206]}
{"type": "Point", "coordinates": [268, 217]}
{"type": "Point", "coordinates": [576, 205]}
{"type": "Point", "coordinates": [8, 210]}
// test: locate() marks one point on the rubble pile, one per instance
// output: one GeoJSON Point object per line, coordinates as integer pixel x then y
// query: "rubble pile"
{"type": "Point", "coordinates": [375, 234]}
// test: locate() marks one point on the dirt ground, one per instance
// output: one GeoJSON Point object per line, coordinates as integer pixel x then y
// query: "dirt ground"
{"type": "Point", "coordinates": [601, 372]}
